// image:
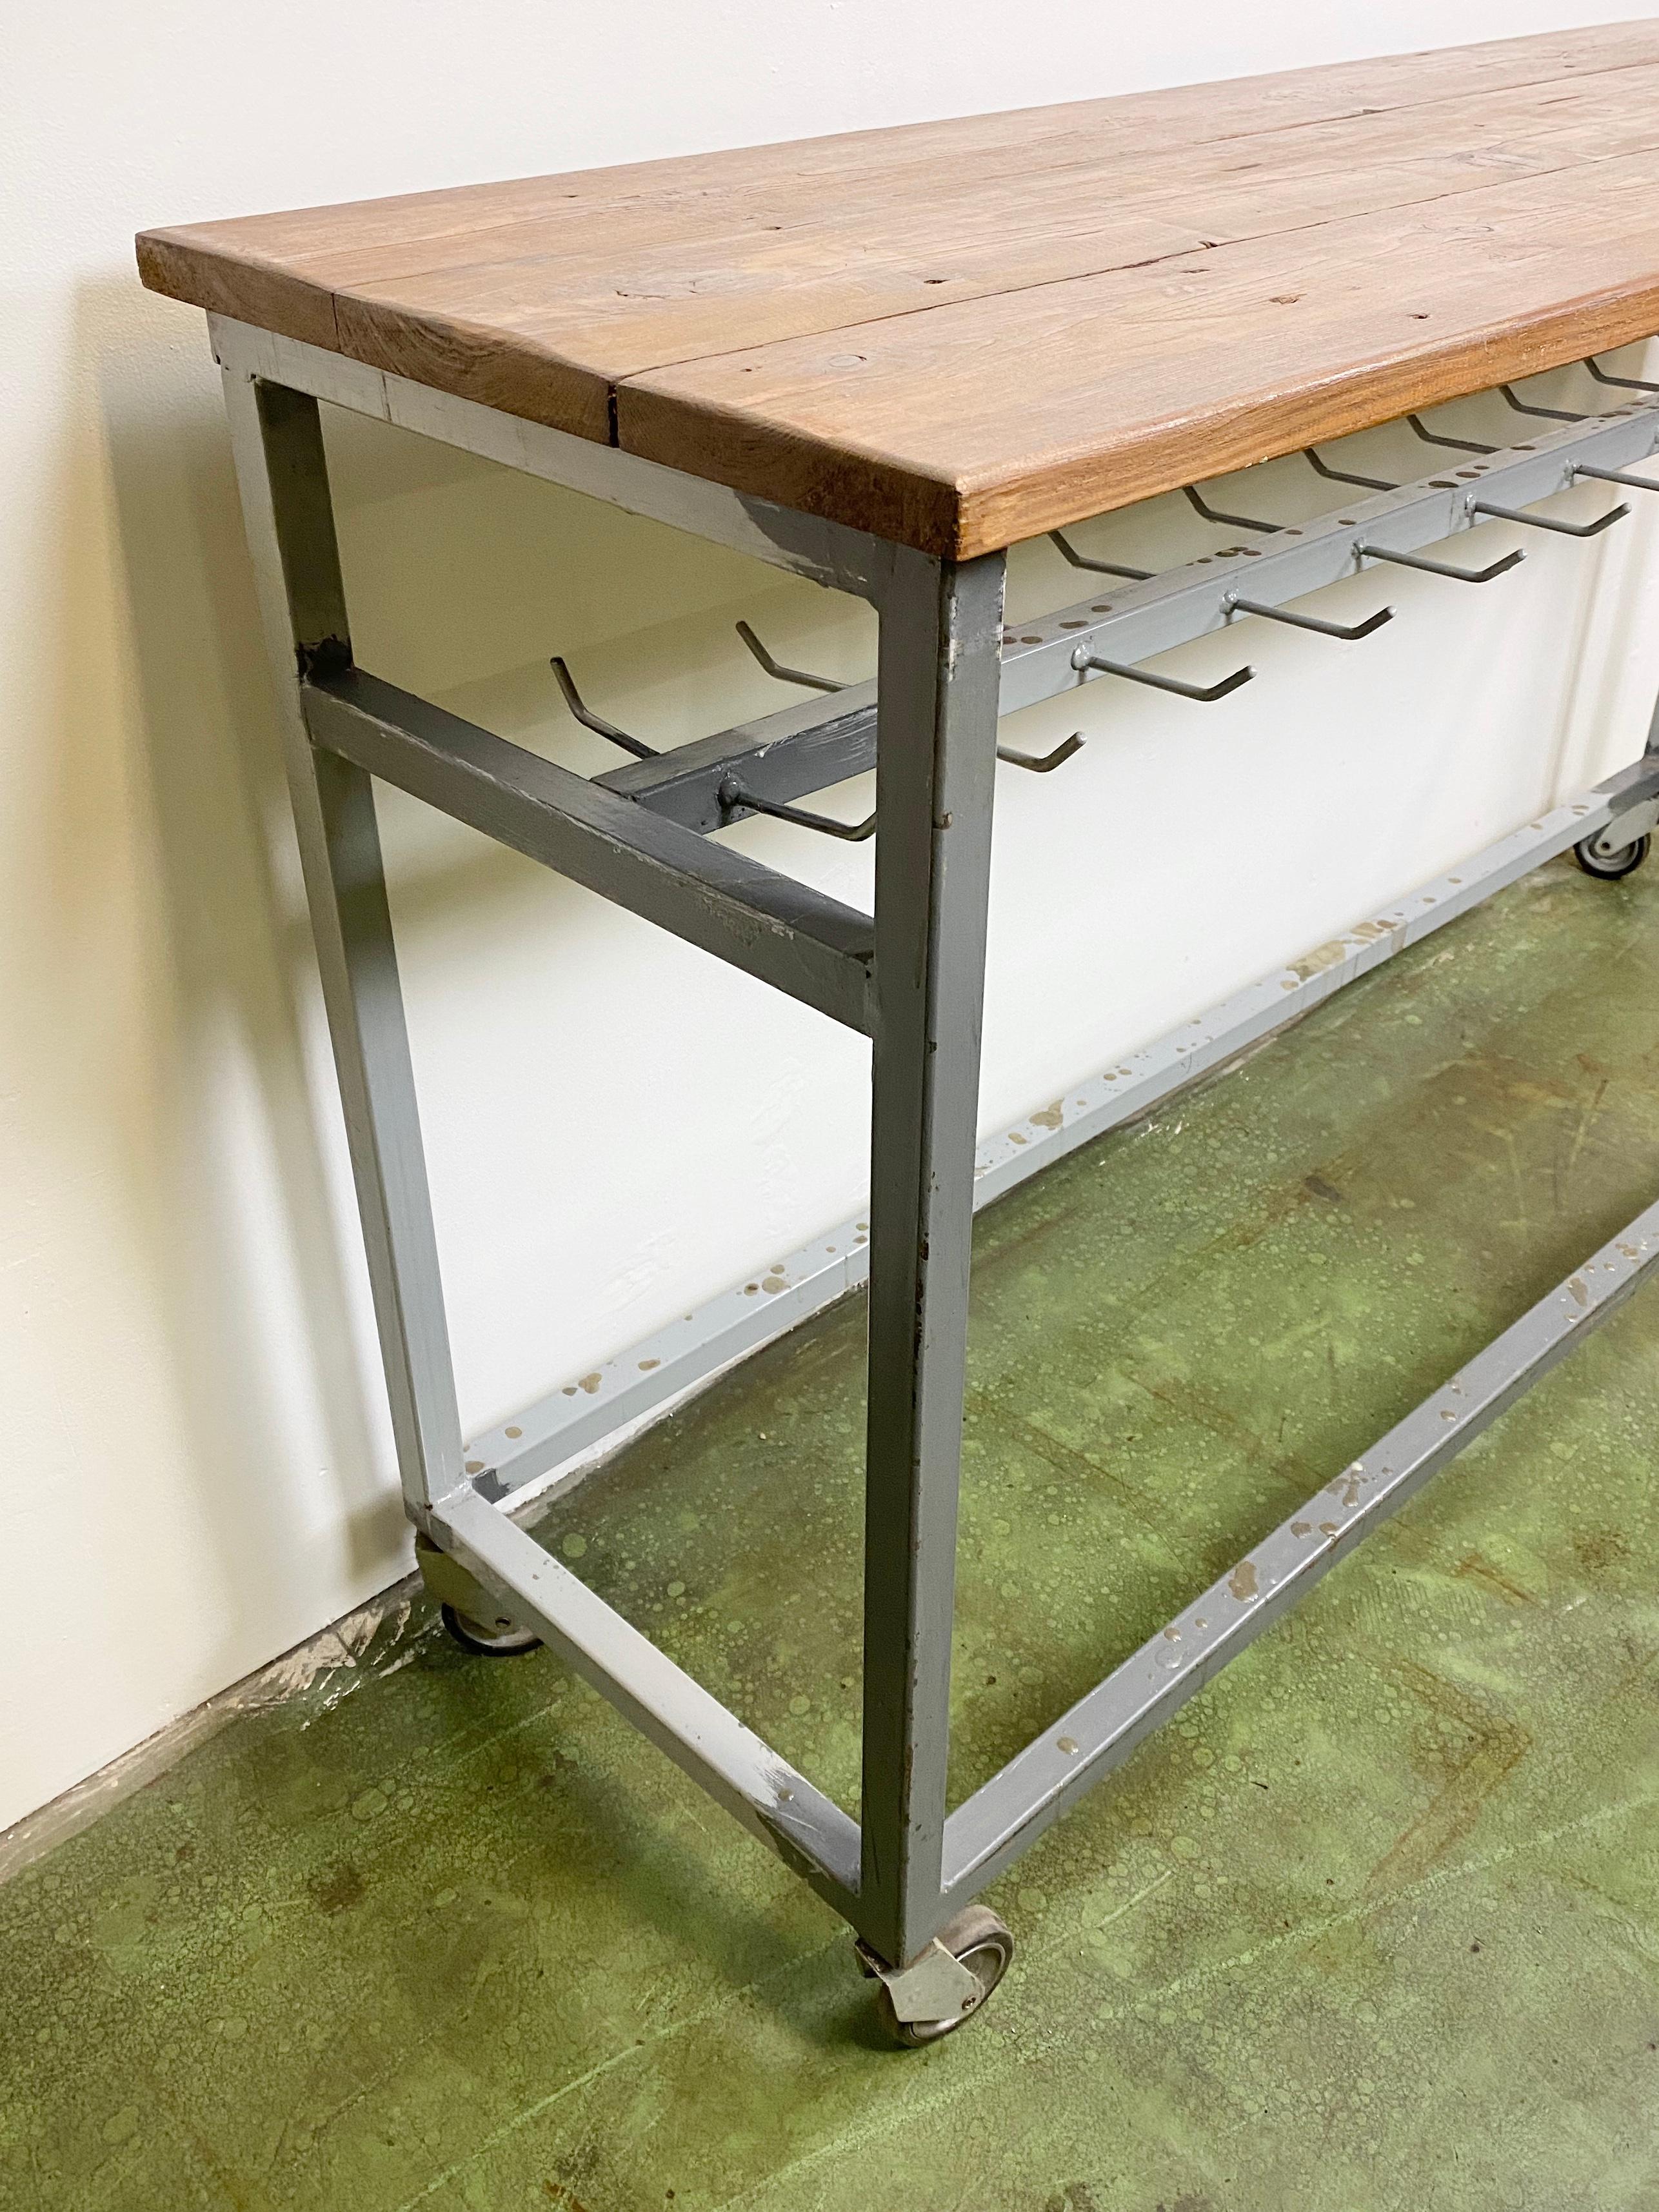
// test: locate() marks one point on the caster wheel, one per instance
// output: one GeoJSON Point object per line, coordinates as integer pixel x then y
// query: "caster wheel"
{"type": "Point", "coordinates": [979, 1940]}
{"type": "Point", "coordinates": [1608, 867]}
{"type": "Point", "coordinates": [503, 1641]}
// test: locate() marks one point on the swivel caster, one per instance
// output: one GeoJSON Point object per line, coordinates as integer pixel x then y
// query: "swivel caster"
{"type": "Point", "coordinates": [1623, 860]}
{"type": "Point", "coordinates": [472, 1614]}
{"type": "Point", "coordinates": [500, 1639]}
{"type": "Point", "coordinates": [950, 1982]}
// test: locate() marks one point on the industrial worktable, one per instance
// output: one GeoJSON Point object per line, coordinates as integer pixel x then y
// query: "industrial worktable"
{"type": "Point", "coordinates": [878, 360]}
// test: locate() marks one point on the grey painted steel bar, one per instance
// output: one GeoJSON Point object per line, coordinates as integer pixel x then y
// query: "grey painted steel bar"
{"type": "Point", "coordinates": [766, 923]}
{"type": "Point", "coordinates": [1143, 1078]}
{"type": "Point", "coordinates": [736, 1768]}
{"type": "Point", "coordinates": [579, 1414]}
{"type": "Point", "coordinates": [936, 776]}
{"type": "Point", "coordinates": [1004, 1817]}
{"type": "Point", "coordinates": [277, 438]}
{"type": "Point", "coordinates": [805, 545]}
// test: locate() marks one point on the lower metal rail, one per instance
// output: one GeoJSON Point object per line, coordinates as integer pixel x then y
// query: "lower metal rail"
{"type": "Point", "coordinates": [1004, 1817]}
{"type": "Point", "coordinates": [562, 1430]}
{"type": "Point", "coordinates": [731, 1763]}
{"type": "Point", "coordinates": [983, 1835]}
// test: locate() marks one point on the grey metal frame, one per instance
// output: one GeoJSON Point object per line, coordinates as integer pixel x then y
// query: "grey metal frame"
{"type": "Point", "coordinates": [912, 979]}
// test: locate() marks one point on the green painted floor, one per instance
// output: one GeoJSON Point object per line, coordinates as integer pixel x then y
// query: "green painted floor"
{"type": "Point", "coordinates": [1374, 1924]}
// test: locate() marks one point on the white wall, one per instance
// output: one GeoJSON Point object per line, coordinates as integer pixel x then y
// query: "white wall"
{"type": "Point", "coordinates": [196, 1467]}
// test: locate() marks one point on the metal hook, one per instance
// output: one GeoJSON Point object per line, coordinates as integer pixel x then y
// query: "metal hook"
{"type": "Point", "coordinates": [1499, 568]}
{"type": "Point", "coordinates": [777, 667]}
{"type": "Point", "coordinates": [1548, 522]}
{"type": "Point", "coordinates": [597, 723]}
{"type": "Point", "coordinates": [1232, 521]}
{"type": "Point", "coordinates": [1625, 383]}
{"type": "Point", "coordinates": [1554, 414]}
{"type": "Point", "coordinates": [1615, 475]}
{"type": "Point", "coordinates": [1204, 693]}
{"type": "Point", "coordinates": [1345, 475]}
{"type": "Point", "coordinates": [731, 794]}
{"type": "Point", "coordinates": [1457, 444]}
{"type": "Point", "coordinates": [1043, 764]}
{"type": "Point", "coordinates": [1346, 631]}
{"type": "Point", "coordinates": [1101, 568]}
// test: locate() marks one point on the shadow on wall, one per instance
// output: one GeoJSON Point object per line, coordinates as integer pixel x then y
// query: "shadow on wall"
{"type": "Point", "coordinates": [246, 1264]}
{"type": "Point", "coordinates": [257, 1316]}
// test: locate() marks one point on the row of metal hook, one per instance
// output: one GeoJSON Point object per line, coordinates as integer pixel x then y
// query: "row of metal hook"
{"type": "Point", "coordinates": [1348, 633]}
{"type": "Point", "coordinates": [735, 796]}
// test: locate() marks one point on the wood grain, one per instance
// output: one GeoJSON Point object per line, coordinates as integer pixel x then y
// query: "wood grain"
{"type": "Point", "coordinates": [953, 330]}
{"type": "Point", "coordinates": [975, 425]}
{"type": "Point", "coordinates": [639, 302]}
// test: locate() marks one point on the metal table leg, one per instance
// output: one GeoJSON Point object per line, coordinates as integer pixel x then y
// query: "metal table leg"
{"type": "Point", "coordinates": [276, 436]}
{"type": "Point", "coordinates": [940, 631]}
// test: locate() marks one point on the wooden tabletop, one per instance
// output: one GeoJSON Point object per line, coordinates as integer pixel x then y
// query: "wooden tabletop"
{"type": "Point", "coordinates": [959, 334]}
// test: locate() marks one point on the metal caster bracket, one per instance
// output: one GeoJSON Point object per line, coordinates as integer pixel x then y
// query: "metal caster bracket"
{"type": "Point", "coordinates": [1633, 826]}
{"type": "Point", "coordinates": [948, 1982]}
{"type": "Point", "coordinates": [483, 1623]}
{"type": "Point", "coordinates": [932, 1987]}
{"type": "Point", "coordinates": [1618, 849]}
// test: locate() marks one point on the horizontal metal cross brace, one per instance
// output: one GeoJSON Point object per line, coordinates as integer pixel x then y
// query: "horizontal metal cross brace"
{"type": "Point", "coordinates": [766, 923]}
{"type": "Point", "coordinates": [733, 1765]}
{"type": "Point", "coordinates": [579, 1415]}
{"type": "Point", "coordinates": [1003, 1819]}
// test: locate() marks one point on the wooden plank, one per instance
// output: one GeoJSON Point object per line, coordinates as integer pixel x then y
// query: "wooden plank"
{"type": "Point", "coordinates": [953, 332]}
{"type": "Point", "coordinates": [1135, 126]}
{"type": "Point", "coordinates": [974, 425]}
{"type": "Point", "coordinates": [551, 235]}
{"type": "Point", "coordinates": [490, 330]}
{"type": "Point", "coordinates": [709, 194]}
